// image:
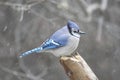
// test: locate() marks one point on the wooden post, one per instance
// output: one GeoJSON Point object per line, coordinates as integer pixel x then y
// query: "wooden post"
{"type": "Point", "coordinates": [76, 68]}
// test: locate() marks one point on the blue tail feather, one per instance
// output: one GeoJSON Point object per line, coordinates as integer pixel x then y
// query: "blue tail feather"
{"type": "Point", "coordinates": [39, 49]}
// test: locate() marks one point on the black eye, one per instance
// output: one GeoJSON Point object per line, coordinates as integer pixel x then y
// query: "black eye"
{"type": "Point", "coordinates": [75, 31]}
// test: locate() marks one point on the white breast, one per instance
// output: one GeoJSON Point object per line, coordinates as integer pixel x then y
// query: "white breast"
{"type": "Point", "coordinates": [68, 49]}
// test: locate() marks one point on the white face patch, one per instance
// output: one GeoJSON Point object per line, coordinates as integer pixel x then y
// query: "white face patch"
{"type": "Point", "coordinates": [75, 32]}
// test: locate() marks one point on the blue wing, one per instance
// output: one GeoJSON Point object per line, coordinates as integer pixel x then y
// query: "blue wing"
{"type": "Point", "coordinates": [61, 36]}
{"type": "Point", "coordinates": [50, 44]}
{"type": "Point", "coordinates": [58, 39]}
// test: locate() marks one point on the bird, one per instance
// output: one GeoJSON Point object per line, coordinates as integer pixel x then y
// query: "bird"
{"type": "Point", "coordinates": [61, 43]}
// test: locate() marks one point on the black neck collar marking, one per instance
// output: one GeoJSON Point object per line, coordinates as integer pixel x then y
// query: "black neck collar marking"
{"type": "Point", "coordinates": [69, 29]}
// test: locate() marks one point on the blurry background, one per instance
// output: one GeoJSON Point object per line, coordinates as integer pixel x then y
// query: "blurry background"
{"type": "Point", "coordinates": [25, 24]}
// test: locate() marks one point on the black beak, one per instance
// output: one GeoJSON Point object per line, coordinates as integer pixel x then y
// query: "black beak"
{"type": "Point", "coordinates": [81, 32]}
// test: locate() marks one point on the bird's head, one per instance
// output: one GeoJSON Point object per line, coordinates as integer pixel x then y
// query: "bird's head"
{"type": "Point", "coordinates": [74, 29]}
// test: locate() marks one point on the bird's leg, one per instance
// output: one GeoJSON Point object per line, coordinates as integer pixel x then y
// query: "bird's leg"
{"type": "Point", "coordinates": [73, 54]}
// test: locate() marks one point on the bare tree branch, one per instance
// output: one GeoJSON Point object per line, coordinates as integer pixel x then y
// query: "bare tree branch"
{"type": "Point", "coordinates": [21, 7]}
{"type": "Point", "coordinates": [100, 28]}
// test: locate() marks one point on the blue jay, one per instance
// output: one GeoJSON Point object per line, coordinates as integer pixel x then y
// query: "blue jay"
{"type": "Point", "coordinates": [63, 42]}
